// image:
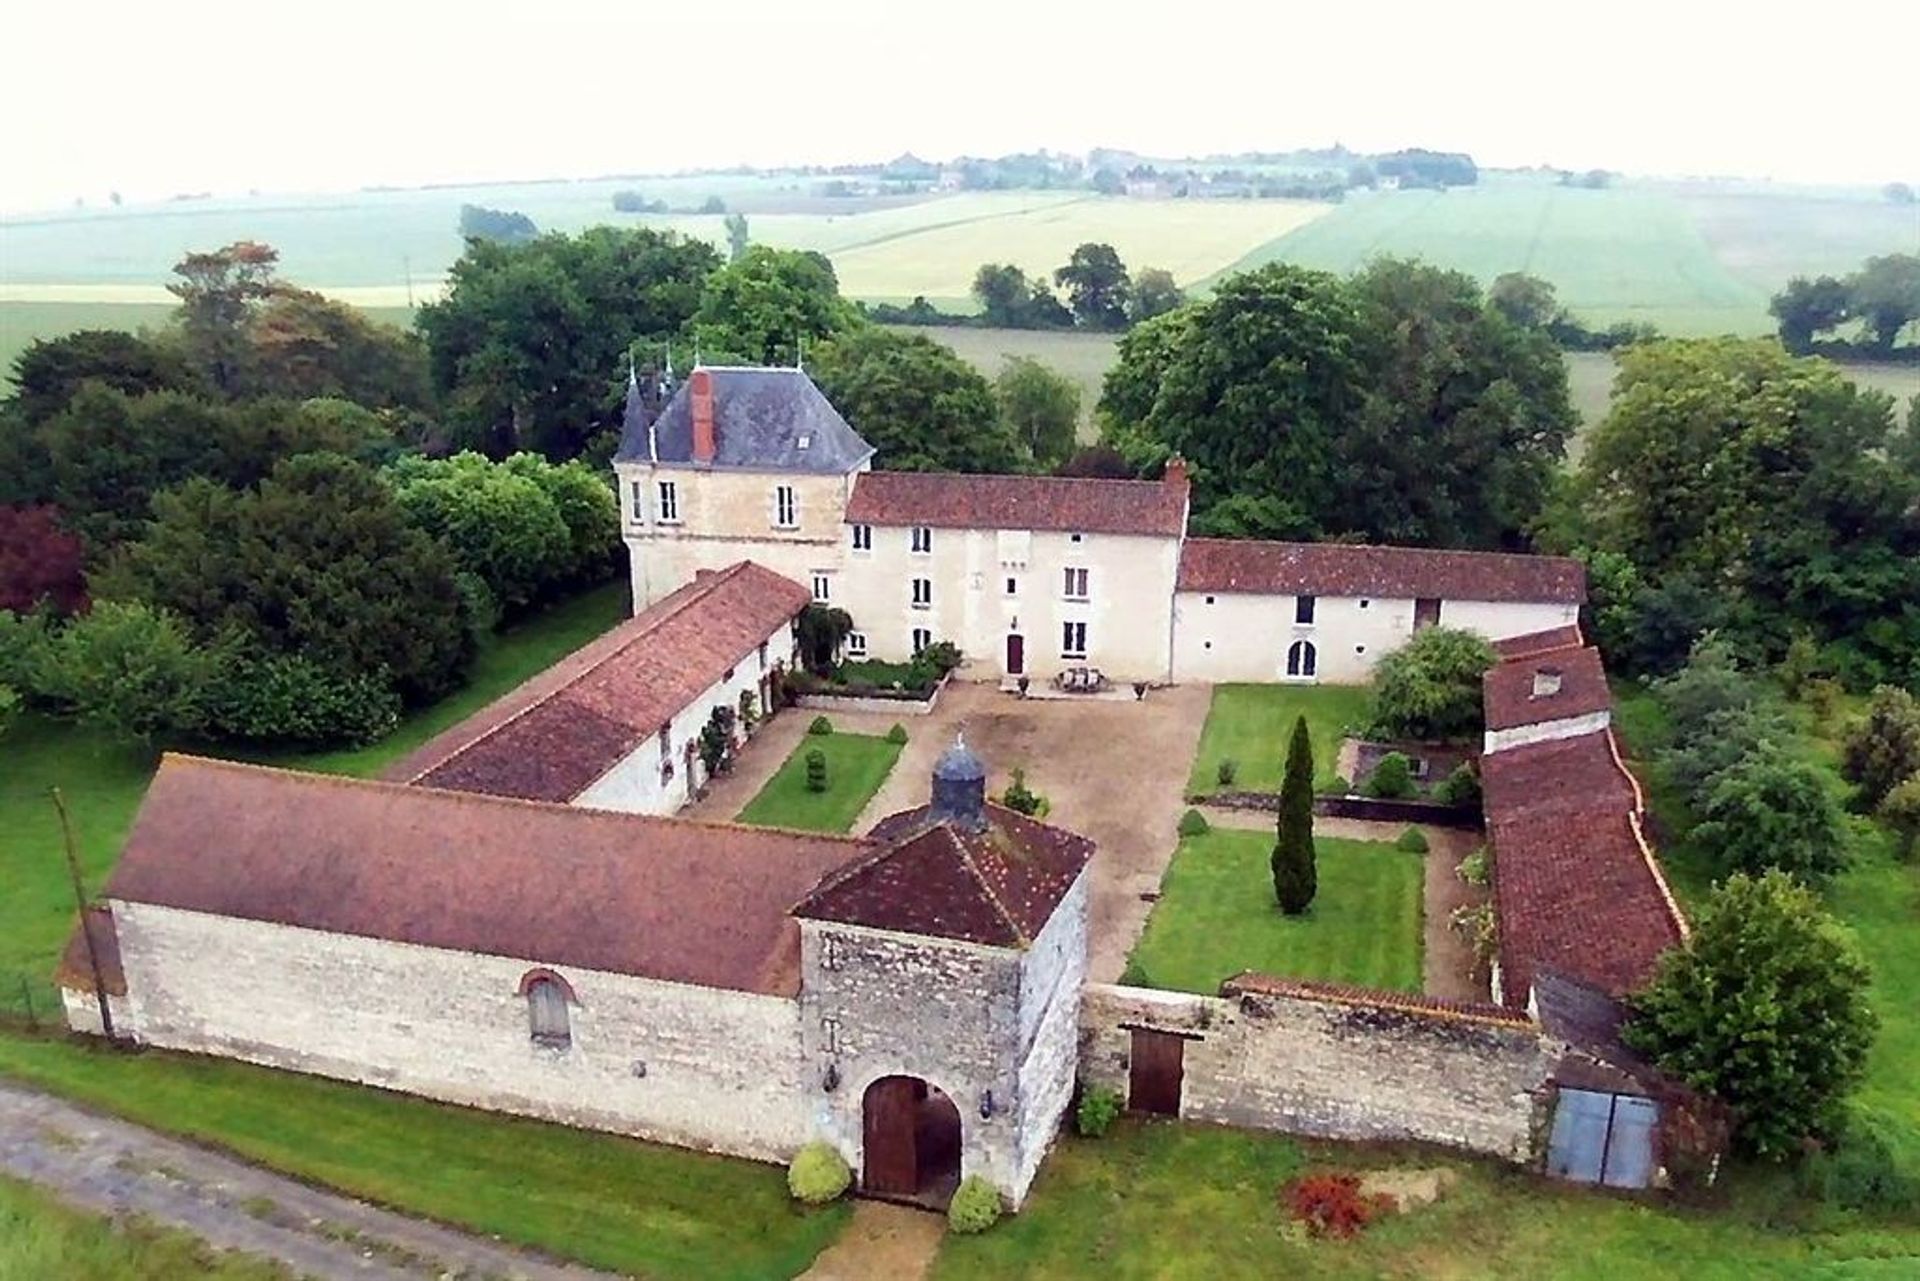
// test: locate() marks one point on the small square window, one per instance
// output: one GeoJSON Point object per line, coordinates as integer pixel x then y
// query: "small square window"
{"type": "Point", "coordinates": [1209, 600]}
{"type": "Point", "coordinates": [1364, 602]}
{"type": "Point", "coordinates": [728, 676]}
{"type": "Point", "coordinates": [1074, 538]}
{"type": "Point", "coordinates": [1013, 587]}
{"type": "Point", "coordinates": [1303, 609]}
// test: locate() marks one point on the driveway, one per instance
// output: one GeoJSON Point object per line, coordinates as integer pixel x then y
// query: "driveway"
{"type": "Point", "coordinates": [1115, 771]}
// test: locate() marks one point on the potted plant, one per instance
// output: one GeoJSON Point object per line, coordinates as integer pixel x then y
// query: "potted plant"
{"type": "Point", "coordinates": [1023, 682]}
{"type": "Point", "coordinates": [1139, 690]}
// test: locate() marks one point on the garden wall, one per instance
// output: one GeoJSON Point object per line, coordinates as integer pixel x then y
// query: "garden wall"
{"type": "Point", "coordinates": [845, 703]}
{"type": "Point", "coordinates": [1335, 1062]}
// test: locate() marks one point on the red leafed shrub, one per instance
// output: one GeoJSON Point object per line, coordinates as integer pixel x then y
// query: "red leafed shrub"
{"type": "Point", "coordinates": [1332, 1205]}
{"type": "Point", "coordinates": [40, 560]}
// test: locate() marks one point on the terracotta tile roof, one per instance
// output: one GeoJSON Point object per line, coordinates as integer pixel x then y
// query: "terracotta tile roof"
{"type": "Point", "coordinates": [1251, 981]}
{"type": "Point", "coordinates": [1397, 573]}
{"type": "Point", "coordinates": [1574, 888]}
{"type": "Point", "coordinates": [1532, 643]}
{"type": "Point", "coordinates": [559, 885]}
{"type": "Point", "coordinates": [1507, 690]}
{"type": "Point", "coordinates": [552, 737]}
{"type": "Point", "coordinates": [1071, 504]}
{"type": "Point", "coordinates": [997, 887]}
{"type": "Point", "coordinates": [74, 970]}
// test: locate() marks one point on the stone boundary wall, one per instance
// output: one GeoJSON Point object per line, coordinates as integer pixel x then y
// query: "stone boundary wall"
{"type": "Point", "coordinates": [1338, 1063]}
{"type": "Point", "coordinates": [872, 703]}
{"type": "Point", "coordinates": [1371, 808]}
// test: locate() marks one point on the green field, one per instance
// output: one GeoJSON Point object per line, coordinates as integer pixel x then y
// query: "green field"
{"type": "Point", "coordinates": [1084, 358]}
{"type": "Point", "coordinates": [1216, 916]}
{"type": "Point", "coordinates": [1250, 725]}
{"type": "Point", "coordinates": [42, 1237]}
{"type": "Point", "coordinates": [857, 764]}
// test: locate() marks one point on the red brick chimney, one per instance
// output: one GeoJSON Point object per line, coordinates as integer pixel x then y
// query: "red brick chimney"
{"type": "Point", "coordinates": [1176, 473]}
{"type": "Point", "coordinates": [700, 394]}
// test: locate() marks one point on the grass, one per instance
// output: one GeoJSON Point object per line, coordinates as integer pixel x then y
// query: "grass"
{"type": "Point", "coordinates": [1250, 725]}
{"type": "Point", "coordinates": [1084, 358]}
{"type": "Point", "coordinates": [42, 1237]}
{"type": "Point", "coordinates": [1216, 916]}
{"type": "Point", "coordinates": [1198, 1203]}
{"type": "Point", "coordinates": [857, 764]}
{"type": "Point", "coordinates": [613, 1202]}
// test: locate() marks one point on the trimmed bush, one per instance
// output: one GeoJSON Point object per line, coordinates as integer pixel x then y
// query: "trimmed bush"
{"type": "Point", "coordinates": [818, 1174]}
{"type": "Point", "coordinates": [816, 770]}
{"type": "Point", "coordinates": [897, 735]}
{"type": "Point", "coordinates": [1194, 823]}
{"type": "Point", "coordinates": [1227, 772]}
{"type": "Point", "coordinates": [1022, 799]}
{"type": "Point", "coordinates": [1336, 786]}
{"type": "Point", "coordinates": [1392, 778]}
{"type": "Point", "coordinates": [1460, 789]}
{"type": "Point", "coordinates": [1477, 867]}
{"type": "Point", "coordinates": [975, 1206]}
{"type": "Point", "coordinates": [1135, 975]}
{"type": "Point", "coordinates": [820, 725]}
{"type": "Point", "coordinates": [1098, 1108]}
{"type": "Point", "coordinates": [1411, 841]}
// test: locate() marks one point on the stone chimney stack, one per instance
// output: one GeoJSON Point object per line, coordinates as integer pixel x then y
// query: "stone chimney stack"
{"type": "Point", "coordinates": [700, 400]}
{"type": "Point", "coordinates": [1176, 473]}
{"type": "Point", "coordinates": [960, 788]}
{"type": "Point", "coordinates": [1546, 682]}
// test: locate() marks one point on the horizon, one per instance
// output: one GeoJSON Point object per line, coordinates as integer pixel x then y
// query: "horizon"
{"type": "Point", "coordinates": [1654, 93]}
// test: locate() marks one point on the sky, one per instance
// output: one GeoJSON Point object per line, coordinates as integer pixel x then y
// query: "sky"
{"type": "Point", "coordinates": [195, 95]}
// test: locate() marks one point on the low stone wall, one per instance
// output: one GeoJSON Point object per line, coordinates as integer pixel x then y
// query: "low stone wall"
{"type": "Point", "coordinates": [1335, 1062]}
{"type": "Point", "coordinates": [1371, 808]}
{"type": "Point", "coordinates": [874, 703]}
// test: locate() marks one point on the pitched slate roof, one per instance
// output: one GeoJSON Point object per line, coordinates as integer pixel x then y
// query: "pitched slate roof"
{"type": "Point", "coordinates": [944, 500]}
{"type": "Point", "coordinates": [1507, 688]}
{"type": "Point", "coordinates": [686, 902]}
{"type": "Point", "coordinates": [764, 420]}
{"type": "Point", "coordinates": [1344, 569]}
{"type": "Point", "coordinates": [1576, 889]}
{"type": "Point", "coordinates": [76, 971]}
{"type": "Point", "coordinates": [997, 887]}
{"type": "Point", "coordinates": [550, 738]}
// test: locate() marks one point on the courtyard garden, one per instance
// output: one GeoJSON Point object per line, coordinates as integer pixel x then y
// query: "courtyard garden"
{"type": "Point", "coordinates": [1216, 916]}
{"type": "Point", "coordinates": [1247, 727]}
{"type": "Point", "coordinates": [855, 765]}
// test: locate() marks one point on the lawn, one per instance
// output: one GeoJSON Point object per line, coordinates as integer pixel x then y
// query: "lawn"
{"type": "Point", "coordinates": [1197, 1203]}
{"type": "Point", "coordinates": [857, 764]}
{"type": "Point", "coordinates": [1216, 916]}
{"type": "Point", "coordinates": [42, 1237]}
{"type": "Point", "coordinates": [610, 1201]}
{"type": "Point", "coordinates": [1250, 725]}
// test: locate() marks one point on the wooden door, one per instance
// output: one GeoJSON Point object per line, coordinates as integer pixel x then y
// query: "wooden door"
{"type": "Point", "coordinates": [1426, 612]}
{"type": "Point", "coordinates": [890, 1157]}
{"type": "Point", "coordinates": [1153, 1081]}
{"type": "Point", "coordinates": [1016, 654]}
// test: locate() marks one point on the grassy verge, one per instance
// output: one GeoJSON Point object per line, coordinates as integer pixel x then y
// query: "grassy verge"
{"type": "Point", "coordinates": [857, 764]}
{"type": "Point", "coordinates": [613, 1202]}
{"type": "Point", "coordinates": [1216, 916]}
{"type": "Point", "coordinates": [1249, 725]}
{"type": "Point", "coordinates": [41, 1237]}
{"type": "Point", "coordinates": [1198, 1203]}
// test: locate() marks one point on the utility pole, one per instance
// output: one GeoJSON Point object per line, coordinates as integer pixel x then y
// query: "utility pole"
{"type": "Point", "coordinates": [406, 266]}
{"type": "Point", "coordinates": [86, 919]}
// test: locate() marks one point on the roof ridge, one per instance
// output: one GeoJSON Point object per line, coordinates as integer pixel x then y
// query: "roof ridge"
{"type": "Point", "coordinates": [491, 798]}
{"type": "Point", "coordinates": [1024, 476]}
{"type": "Point", "coordinates": [986, 886]}
{"type": "Point", "coordinates": [1382, 547]}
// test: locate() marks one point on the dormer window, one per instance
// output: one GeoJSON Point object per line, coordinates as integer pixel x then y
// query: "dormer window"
{"type": "Point", "coordinates": [1546, 682]}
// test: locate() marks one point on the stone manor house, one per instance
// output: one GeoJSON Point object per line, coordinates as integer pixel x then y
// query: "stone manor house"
{"type": "Point", "coordinates": [512, 918]}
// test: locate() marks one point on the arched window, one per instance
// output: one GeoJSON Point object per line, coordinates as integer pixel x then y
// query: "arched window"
{"type": "Point", "coordinates": [1301, 658]}
{"type": "Point", "coordinates": [549, 1021]}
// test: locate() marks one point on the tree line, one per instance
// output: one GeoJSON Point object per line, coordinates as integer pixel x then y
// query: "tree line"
{"type": "Point", "coordinates": [1882, 299]}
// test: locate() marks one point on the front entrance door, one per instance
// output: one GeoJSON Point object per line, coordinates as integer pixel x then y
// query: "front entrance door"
{"type": "Point", "coordinates": [1153, 1081]}
{"type": "Point", "coordinates": [1426, 612]}
{"type": "Point", "coordinates": [1016, 654]}
{"type": "Point", "coordinates": [910, 1142]}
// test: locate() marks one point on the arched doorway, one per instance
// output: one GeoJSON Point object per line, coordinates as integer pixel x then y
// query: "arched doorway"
{"type": "Point", "coordinates": [910, 1141]}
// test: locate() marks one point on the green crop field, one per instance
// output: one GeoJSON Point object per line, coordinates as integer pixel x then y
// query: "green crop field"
{"type": "Point", "coordinates": [1084, 358]}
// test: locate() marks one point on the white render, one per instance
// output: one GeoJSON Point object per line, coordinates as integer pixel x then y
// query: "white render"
{"type": "Point", "coordinates": [1243, 636]}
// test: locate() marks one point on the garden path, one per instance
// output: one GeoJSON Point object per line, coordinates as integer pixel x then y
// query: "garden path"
{"type": "Point", "coordinates": [883, 1241]}
{"type": "Point", "coordinates": [104, 1164]}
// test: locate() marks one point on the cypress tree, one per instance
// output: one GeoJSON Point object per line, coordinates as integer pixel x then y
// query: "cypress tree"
{"type": "Point", "coordinates": [1294, 879]}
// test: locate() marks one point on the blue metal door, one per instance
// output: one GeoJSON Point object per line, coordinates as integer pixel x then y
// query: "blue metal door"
{"type": "Point", "coordinates": [1577, 1149]}
{"type": "Point", "coordinates": [1630, 1143]}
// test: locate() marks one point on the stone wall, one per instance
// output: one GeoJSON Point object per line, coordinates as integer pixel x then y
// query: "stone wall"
{"type": "Point", "coordinates": [698, 1067]}
{"type": "Point", "coordinates": [1343, 1068]}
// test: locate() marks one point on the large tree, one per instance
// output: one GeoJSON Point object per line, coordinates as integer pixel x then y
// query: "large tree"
{"type": "Point", "coordinates": [48, 373]}
{"type": "Point", "coordinates": [1807, 307]}
{"type": "Point", "coordinates": [1429, 688]}
{"type": "Point", "coordinates": [1098, 286]}
{"type": "Point", "coordinates": [1042, 406]}
{"type": "Point", "coordinates": [1771, 810]}
{"type": "Point", "coordinates": [1882, 750]}
{"type": "Point", "coordinates": [1154, 294]}
{"type": "Point", "coordinates": [529, 347]}
{"type": "Point", "coordinates": [40, 562]}
{"type": "Point", "coordinates": [918, 404]}
{"type": "Point", "coordinates": [1765, 1007]}
{"type": "Point", "coordinates": [220, 292]}
{"type": "Point", "coordinates": [1295, 877]}
{"type": "Point", "coordinates": [770, 305]}
{"type": "Point", "coordinates": [307, 345]}
{"type": "Point", "coordinates": [316, 562]}
{"type": "Point", "coordinates": [1885, 295]}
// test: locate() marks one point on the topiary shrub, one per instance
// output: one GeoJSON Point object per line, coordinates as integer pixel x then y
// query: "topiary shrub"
{"type": "Point", "coordinates": [1098, 1108]}
{"type": "Point", "coordinates": [1392, 778]}
{"type": "Point", "coordinates": [818, 1174]}
{"type": "Point", "coordinates": [1194, 823]}
{"type": "Point", "coordinates": [1477, 867]}
{"type": "Point", "coordinates": [1460, 789]}
{"type": "Point", "coordinates": [1336, 786]}
{"type": "Point", "coordinates": [820, 725]}
{"type": "Point", "coordinates": [1226, 772]}
{"type": "Point", "coordinates": [897, 735]}
{"type": "Point", "coordinates": [816, 770]}
{"type": "Point", "coordinates": [975, 1206]}
{"type": "Point", "coordinates": [1411, 841]}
